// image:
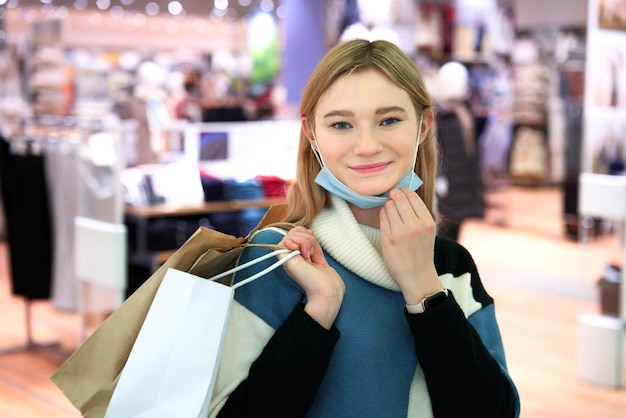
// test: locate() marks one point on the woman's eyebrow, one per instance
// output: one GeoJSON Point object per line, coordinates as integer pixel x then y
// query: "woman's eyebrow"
{"type": "Point", "coordinates": [389, 109]}
{"type": "Point", "coordinates": [343, 113]}
{"type": "Point", "coordinates": [380, 111]}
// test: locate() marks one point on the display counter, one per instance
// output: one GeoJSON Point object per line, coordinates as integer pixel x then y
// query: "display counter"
{"type": "Point", "coordinates": [139, 217]}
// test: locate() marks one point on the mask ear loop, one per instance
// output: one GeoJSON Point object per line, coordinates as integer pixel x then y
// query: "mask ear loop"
{"type": "Point", "coordinates": [317, 152]}
{"type": "Point", "coordinates": [417, 146]}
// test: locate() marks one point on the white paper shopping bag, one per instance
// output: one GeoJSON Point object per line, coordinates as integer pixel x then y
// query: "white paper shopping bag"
{"type": "Point", "coordinates": [185, 309]}
{"type": "Point", "coordinates": [174, 361]}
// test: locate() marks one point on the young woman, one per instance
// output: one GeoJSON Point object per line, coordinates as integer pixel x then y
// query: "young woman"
{"type": "Point", "coordinates": [377, 317]}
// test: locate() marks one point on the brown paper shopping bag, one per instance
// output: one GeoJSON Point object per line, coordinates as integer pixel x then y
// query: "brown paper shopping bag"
{"type": "Point", "coordinates": [89, 376]}
{"type": "Point", "coordinates": [172, 367]}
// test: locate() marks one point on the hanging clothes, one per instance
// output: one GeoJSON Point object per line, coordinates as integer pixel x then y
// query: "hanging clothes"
{"type": "Point", "coordinates": [27, 214]}
{"type": "Point", "coordinates": [79, 185]}
{"type": "Point", "coordinates": [63, 180]}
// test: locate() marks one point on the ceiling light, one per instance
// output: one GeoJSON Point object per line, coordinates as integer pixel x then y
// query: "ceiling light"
{"type": "Point", "coordinates": [175, 8]}
{"type": "Point", "coordinates": [117, 12]}
{"type": "Point", "coordinates": [152, 9]}
{"type": "Point", "coordinates": [267, 5]}
{"type": "Point", "coordinates": [220, 4]}
{"type": "Point", "coordinates": [103, 4]}
{"type": "Point", "coordinates": [80, 4]}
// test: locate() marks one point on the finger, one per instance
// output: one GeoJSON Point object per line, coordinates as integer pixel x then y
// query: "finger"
{"type": "Point", "coordinates": [300, 239]}
{"type": "Point", "coordinates": [317, 255]}
{"type": "Point", "coordinates": [399, 209]}
{"type": "Point", "coordinates": [303, 246]}
{"type": "Point", "coordinates": [409, 205]}
{"type": "Point", "coordinates": [421, 218]}
{"type": "Point", "coordinates": [416, 202]}
{"type": "Point", "coordinates": [385, 222]}
{"type": "Point", "coordinates": [384, 218]}
{"type": "Point", "coordinates": [391, 222]}
{"type": "Point", "coordinates": [303, 239]}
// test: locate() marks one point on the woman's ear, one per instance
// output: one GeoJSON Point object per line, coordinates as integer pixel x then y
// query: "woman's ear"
{"type": "Point", "coordinates": [306, 129]}
{"type": "Point", "coordinates": [427, 124]}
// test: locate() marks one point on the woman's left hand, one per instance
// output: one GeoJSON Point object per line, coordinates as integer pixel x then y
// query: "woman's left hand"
{"type": "Point", "coordinates": [408, 232]}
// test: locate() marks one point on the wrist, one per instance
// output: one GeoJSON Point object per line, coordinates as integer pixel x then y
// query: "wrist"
{"type": "Point", "coordinates": [324, 312]}
{"type": "Point", "coordinates": [428, 302]}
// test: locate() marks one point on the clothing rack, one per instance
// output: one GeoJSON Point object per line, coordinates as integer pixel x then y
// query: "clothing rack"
{"type": "Point", "coordinates": [21, 146]}
{"type": "Point", "coordinates": [38, 135]}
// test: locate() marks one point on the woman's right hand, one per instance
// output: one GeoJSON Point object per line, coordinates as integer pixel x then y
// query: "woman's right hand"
{"type": "Point", "coordinates": [323, 286]}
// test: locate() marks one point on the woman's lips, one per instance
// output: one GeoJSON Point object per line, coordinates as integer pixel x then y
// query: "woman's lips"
{"type": "Point", "coordinates": [370, 168]}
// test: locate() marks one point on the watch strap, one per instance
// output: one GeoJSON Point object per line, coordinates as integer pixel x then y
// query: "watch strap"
{"type": "Point", "coordinates": [424, 305]}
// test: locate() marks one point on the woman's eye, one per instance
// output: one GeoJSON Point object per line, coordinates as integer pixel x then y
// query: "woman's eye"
{"type": "Point", "coordinates": [390, 121]}
{"type": "Point", "coordinates": [340, 125]}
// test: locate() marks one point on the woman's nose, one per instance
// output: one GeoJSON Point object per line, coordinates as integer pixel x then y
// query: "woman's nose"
{"type": "Point", "coordinates": [367, 143]}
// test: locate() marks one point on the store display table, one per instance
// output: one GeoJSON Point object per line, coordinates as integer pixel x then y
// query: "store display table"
{"type": "Point", "coordinates": [142, 255]}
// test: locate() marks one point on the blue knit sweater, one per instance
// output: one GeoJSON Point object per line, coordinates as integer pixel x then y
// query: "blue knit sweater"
{"type": "Point", "coordinates": [378, 360]}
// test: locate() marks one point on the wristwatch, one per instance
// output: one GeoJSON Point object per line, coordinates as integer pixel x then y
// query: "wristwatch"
{"type": "Point", "coordinates": [429, 302]}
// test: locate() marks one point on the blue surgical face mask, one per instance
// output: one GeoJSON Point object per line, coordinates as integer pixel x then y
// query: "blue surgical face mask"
{"type": "Point", "coordinates": [332, 184]}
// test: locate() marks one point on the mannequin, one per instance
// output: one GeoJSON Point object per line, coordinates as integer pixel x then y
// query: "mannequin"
{"type": "Point", "coordinates": [459, 184]}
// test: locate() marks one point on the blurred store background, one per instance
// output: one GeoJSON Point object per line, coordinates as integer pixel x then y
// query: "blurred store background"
{"type": "Point", "coordinates": [156, 117]}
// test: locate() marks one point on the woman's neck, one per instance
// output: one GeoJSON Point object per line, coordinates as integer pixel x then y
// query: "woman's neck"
{"type": "Point", "coordinates": [369, 217]}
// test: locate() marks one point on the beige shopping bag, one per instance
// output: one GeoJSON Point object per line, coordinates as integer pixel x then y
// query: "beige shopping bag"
{"type": "Point", "coordinates": [89, 376]}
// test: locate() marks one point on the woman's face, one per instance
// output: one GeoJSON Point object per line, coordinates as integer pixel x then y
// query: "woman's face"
{"type": "Point", "coordinates": [366, 129]}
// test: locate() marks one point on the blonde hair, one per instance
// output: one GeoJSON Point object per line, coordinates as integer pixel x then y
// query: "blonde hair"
{"type": "Point", "coordinates": [305, 197]}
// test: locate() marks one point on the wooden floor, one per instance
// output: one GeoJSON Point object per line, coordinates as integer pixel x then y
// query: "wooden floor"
{"type": "Point", "coordinates": [540, 279]}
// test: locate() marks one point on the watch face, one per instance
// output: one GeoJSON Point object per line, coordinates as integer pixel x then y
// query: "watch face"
{"type": "Point", "coordinates": [435, 300]}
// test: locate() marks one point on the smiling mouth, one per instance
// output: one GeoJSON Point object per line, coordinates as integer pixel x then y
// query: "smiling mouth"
{"type": "Point", "coordinates": [370, 168]}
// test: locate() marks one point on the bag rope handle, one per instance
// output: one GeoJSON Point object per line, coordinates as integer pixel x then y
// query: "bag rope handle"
{"type": "Point", "coordinates": [280, 262]}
